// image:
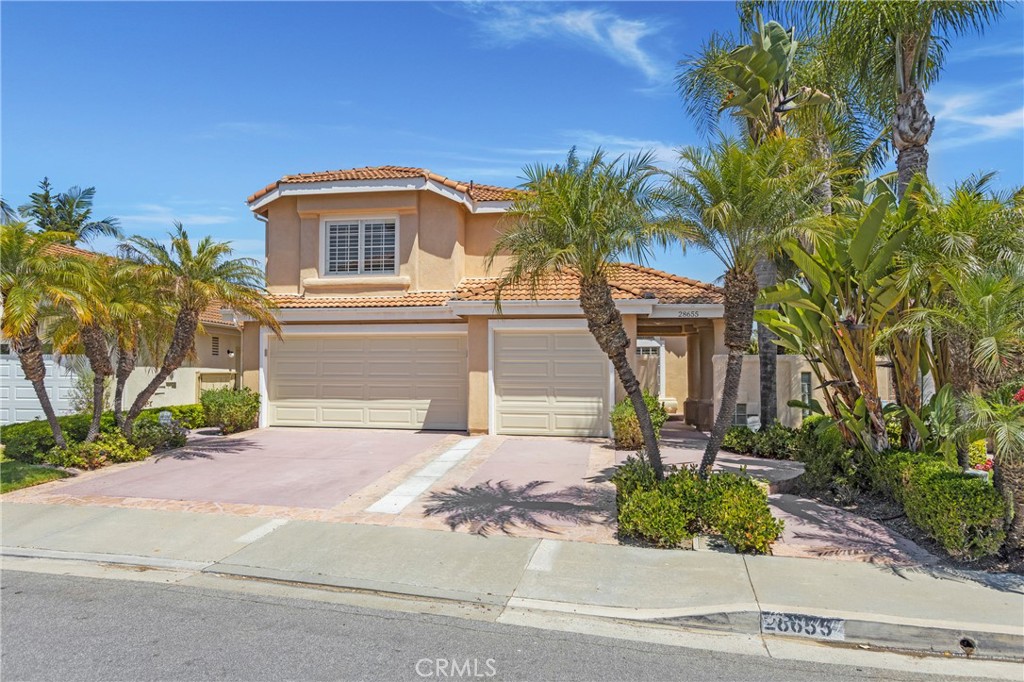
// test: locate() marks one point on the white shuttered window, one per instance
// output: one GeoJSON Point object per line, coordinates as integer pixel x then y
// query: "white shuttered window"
{"type": "Point", "coordinates": [360, 247]}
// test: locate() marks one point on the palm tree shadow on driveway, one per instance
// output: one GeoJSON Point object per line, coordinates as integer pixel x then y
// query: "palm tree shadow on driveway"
{"type": "Point", "coordinates": [488, 507]}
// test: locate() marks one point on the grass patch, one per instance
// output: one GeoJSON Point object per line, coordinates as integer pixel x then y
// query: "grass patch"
{"type": "Point", "coordinates": [15, 475]}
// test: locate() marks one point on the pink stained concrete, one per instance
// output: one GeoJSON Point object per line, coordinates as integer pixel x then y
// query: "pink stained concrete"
{"type": "Point", "coordinates": [813, 529]}
{"type": "Point", "coordinates": [566, 498]}
{"type": "Point", "coordinates": [313, 468]}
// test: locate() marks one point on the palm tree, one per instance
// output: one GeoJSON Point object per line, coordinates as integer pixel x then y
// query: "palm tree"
{"type": "Point", "coordinates": [581, 217]}
{"type": "Point", "coordinates": [69, 213]}
{"type": "Point", "coordinates": [31, 279]}
{"type": "Point", "coordinates": [893, 50]}
{"type": "Point", "coordinates": [1003, 424]}
{"type": "Point", "coordinates": [736, 201]}
{"type": "Point", "coordinates": [757, 83]}
{"type": "Point", "coordinates": [193, 277]}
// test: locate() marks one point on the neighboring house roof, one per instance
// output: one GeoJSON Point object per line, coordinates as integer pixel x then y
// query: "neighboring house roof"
{"type": "Point", "coordinates": [472, 190]}
{"type": "Point", "coordinates": [629, 282]}
{"type": "Point", "coordinates": [58, 249]}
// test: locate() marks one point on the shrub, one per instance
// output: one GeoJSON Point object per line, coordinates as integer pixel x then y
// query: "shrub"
{"type": "Point", "coordinates": [978, 453]}
{"type": "Point", "coordinates": [830, 465]}
{"type": "Point", "coordinates": [657, 517]}
{"type": "Point", "coordinates": [963, 513]}
{"type": "Point", "coordinates": [774, 442]}
{"type": "Point", "coordinates": [668, 512]}
{"type": "Point", "coordinates": [737, 508]}
{"type": "Point", "coordinates": [109, 448]}
{"type": "Point", "coordinates": [739, 439]}
{"type": "Point", "coordinates": [890, 473]}
{"type": "Point", "coordinates": [230, 410]}
{"type": "Point", "coordinates": [188, 416]}
{"type": "Point", "coordinates": [154, 436]}
{"type": "Point", "coordinates": [626, 426]}
{"type": "Point", "coordinates": [30, 441]}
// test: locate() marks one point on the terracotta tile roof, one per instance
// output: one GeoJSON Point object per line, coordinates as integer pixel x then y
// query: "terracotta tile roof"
{"type": "Point", "coordinates": [213, 315]}
{"type": "Point", "coordinates": [68, 250]}
{"type": "Point", "coordinates": [629, 281]}
{"type": "Point", "coordinates": [415, 300]}
{"type": "Point", "coordinates": [474, 191]}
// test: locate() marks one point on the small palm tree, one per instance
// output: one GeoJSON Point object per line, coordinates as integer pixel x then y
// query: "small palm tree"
{"type": "Point", "coordinates": [736, 200]}
{"type": "Point", "coordinates": [581, 218]}
{"type": "Point", "coordinates": [33, 278]}
{"type": "Point", "coordinates": [193, 277]}
{"type": "Point", "coordinates": [1003, 425]}
{"type": "Point", "coordinates": [69, 213]}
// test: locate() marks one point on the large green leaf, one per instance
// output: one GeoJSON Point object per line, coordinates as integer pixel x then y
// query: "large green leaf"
{"type": "Point", "coordinates": [813, 271]}
{"type": "Point", "coordinates": [867, 232]}
{"type": "Point", "coordinates": [883, 259]}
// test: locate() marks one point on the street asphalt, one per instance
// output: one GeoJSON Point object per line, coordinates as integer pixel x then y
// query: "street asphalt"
{"type": "Point", "coordinates": [69, 628]}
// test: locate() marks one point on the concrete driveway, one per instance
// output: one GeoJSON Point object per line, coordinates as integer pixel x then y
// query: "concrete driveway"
{"type": "Point", "coordinates": [309, 468]}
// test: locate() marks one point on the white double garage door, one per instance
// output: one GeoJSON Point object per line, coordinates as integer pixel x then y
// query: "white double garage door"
{"type": "Point", "coordinates": [541, 382]}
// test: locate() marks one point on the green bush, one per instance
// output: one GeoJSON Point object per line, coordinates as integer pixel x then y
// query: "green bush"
{"type": "Point", "coordinates": [626, 426]}
{"type": "Point", "coordinates": [109, 448]}
{"type": "Point", "coordinates": [154, 436]}
{"type": "Point", "coordinates": [657, 517]}
{"type": "Point", "coordinates": [963, 513]}
{"type": "Point", "coordinates": [668, 512]}
{"type": "Point", "coordinates": [30, 441]}
{"type": "Point", "coordinates": [890, 473]}
{"type": "Point", "coordinates": [830, 465]}
{"type": "Point", "coordinates": [978, 452]}
{"type": "Point", "coordinates": [739, 439]}
{"type": "Point", "coordinates": [188, 416]}
{"type": "Point", "coordinates": [230, 410]}
{"type": "Point", "coordinates": [774, 442]}
{"type": "Point", "coordinates": [737, 508]}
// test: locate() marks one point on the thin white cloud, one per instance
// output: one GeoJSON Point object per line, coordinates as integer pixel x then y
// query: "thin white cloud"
{"type": "Point", "coordinates": [665, 154]}
{"type": "Point", "coordinates": [1007, 49]}
{"type": "Point", "coordinates": [617, 37]}
{"type": "Point", "coordinates": [150, 214]}
{"type": "Point", "coordinates": [966, 118]}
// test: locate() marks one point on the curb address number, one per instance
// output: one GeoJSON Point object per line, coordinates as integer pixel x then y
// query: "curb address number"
{"type": "Point", "coordinates": [799, 625]}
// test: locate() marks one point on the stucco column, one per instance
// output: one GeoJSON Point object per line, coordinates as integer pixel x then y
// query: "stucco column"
{"type": "Point", "coordinates": [476, 363]}
{"type": "Point", "coordinates": [707, 367]}
{"type": "Point", "coordinates": [249, 349]}
{"type": "Point", "coordinates": [629, 323]}
{"type": "Point", "coordinates": [677, 374]}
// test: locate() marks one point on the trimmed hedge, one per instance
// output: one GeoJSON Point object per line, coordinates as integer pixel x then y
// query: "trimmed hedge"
{"type": "Point", "coordinates": [626, 427]}
{"type": "Point", "coordinates": [231, 410]}
{"type": "Point", "coordinates": [774, 442]}
{"type": "Point", "coordinates": [29, 441]}
{"type": "Point", "coordinates": [964, 514]}
{"type": "Point", "coordinates": [830, 465]}
{"type": "Point", "coordinates": [109, 448]}
{"type": "Point", "coordinates": [668, 512]}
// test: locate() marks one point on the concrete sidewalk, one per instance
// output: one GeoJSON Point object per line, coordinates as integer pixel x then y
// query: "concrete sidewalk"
{"type": "Point", "coordinates": [924, 609]}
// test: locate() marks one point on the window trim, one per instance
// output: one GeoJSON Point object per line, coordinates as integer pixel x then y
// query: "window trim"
{"type": "Point", "coordinates": [361, 220]}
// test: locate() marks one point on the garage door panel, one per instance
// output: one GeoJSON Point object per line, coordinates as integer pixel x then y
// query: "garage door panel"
{"type": "Point", "coordinates": [550, 383]}
{"type": "Point", "coordinates": [383, 381]}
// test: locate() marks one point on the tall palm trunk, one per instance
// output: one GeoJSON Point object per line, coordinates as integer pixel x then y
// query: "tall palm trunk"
{"type": "Point", "coordinates": [605, 323]}
{"type": "Point", "coordinates": [126, 359]}
{"type": "Point", "coordinates": [1008, 479]}
{"type": "Point", "coordinates": [97, 351]}
{"type": "Point", "coordinates": [30, 354]}
{"type": "Point", "coordinates": [740, 293]}
{"type": "Point", "coordinates": [960, 372]}
{"type": "Point", "coordinates": [768, 353]}
{"type": "Point", "coordinates": [912, 127]}
{"type": "Point", "coordinates": [182, 340]}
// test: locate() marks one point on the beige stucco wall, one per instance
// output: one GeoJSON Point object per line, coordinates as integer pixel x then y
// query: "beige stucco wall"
{"type": "Point", "coordinates": [230, 339]}
{"type": "Point", "coordinates": [482, 229]}
{"type": "Point", "coordinates": [438, 252]}
{"type": "Point", "coordinates": [250, 360]}
{"type": "Point", "coordinates": [787, 385]}
{"type": "Point", "coordinates": [677, 373]}
{"type": "Point", "coordinates": [476, 361]}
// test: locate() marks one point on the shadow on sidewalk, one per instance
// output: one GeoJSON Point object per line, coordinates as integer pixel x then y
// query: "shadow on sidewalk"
{"type": "Point", "coordinates": [502, 506]}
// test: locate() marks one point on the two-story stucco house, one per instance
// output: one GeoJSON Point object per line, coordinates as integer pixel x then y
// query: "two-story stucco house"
{"type": "Point", "coordinates": [388, 317]}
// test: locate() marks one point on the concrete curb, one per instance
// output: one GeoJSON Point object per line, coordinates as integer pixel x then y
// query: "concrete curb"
{"type": "Point", "coordinates": [862, 630]}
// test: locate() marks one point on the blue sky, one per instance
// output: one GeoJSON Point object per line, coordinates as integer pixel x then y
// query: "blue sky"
{"type": "Point", "coordinates": [180, 110]}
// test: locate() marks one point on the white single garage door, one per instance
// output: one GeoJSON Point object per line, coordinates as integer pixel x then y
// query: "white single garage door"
{"type": "Point", "coordinates": [384, 381]}
{"type": "Point", "coordinates": [550, 384]}
{"type": "Point", "coordinates": [18, 401]}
